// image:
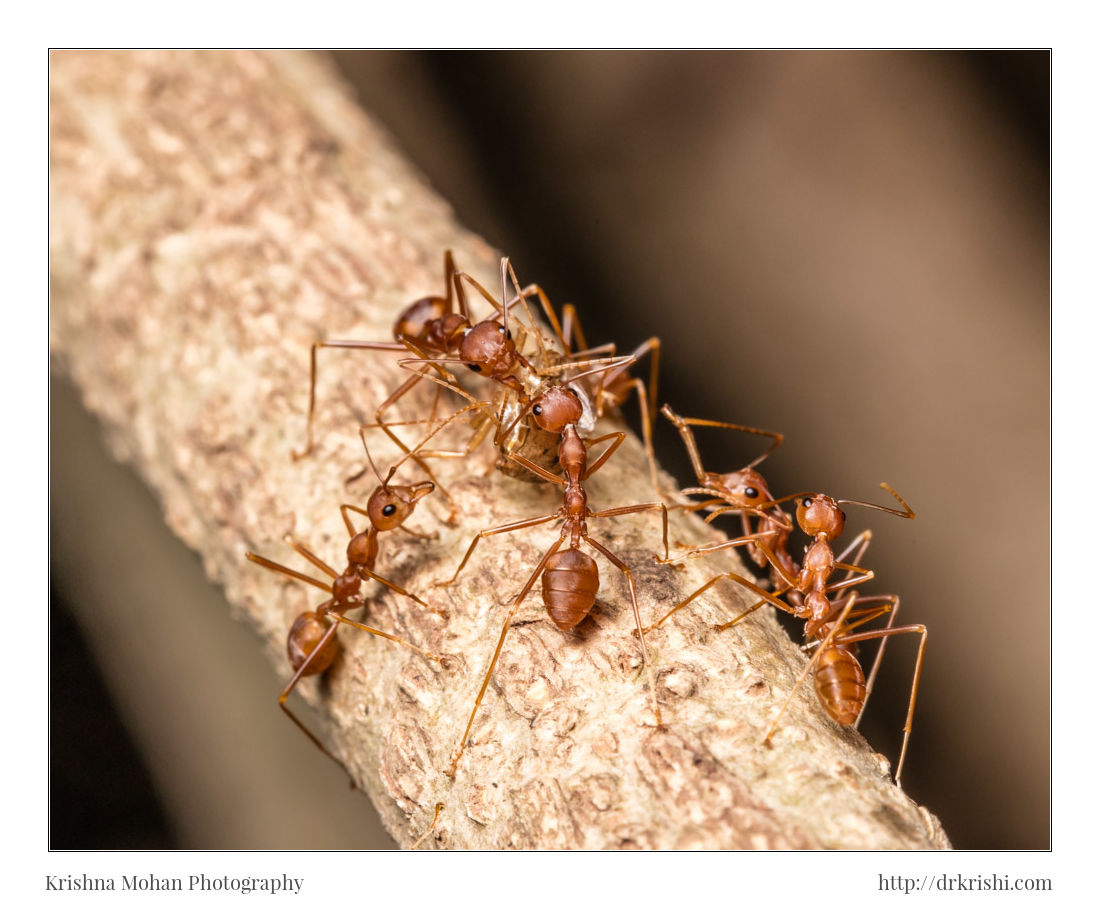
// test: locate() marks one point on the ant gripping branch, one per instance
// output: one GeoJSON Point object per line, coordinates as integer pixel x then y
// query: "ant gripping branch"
{"type": "Point", "coordinates": [490, 351]}
{"type": "Point", "coordinates": [570, 578]}
{"type": "Point", "coordinates": [427, 328]}
{"type": "Point", "coordinates": [841, 686]}
{"type": "Point", "coordinates": [312, 645]}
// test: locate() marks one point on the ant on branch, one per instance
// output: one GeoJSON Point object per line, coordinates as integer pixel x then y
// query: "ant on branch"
{"type": "Point", "coordinates": [489, 351]}
{"type": "Point", "coordinates": [841, 686]}
{"type": "Point", "coordinates": [312, 645]}
{"type": "Point", "coordinates": [570, 577]}
{"type": "Point", "coordinates": [428, 328]}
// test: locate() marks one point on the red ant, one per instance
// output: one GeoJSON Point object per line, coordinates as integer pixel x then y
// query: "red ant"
{"type": "Point", "coordinates": [839, 680]}
{"type": "Point", "coordinates": [570, 578]}
{"type": "Point", "coordinates": [426, 328]}
{"type": "Point", "coordinates": [488, 350]}
{"type": "Point", "coordinates": [614, 386]}
{"type": "Point", "coordinates": [312, 645]}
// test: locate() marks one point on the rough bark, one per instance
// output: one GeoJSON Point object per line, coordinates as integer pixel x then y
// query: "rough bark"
{"type": "Point", "coordinates": [215, 213]}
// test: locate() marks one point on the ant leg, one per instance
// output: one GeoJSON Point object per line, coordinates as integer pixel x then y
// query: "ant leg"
{"type": "Point", "coordinates": [605, 454]}
{"type": "Point", "coordinates": [423, 837]}
{"type": "Point", "coordinates": [317, 345]}
{"type": "Point", "coordinates": [408, 644]}
{"type": "Point", "coordinates": [537, 470]}
{"type": "Point", "coordinates": [496, 653]}
{"type": "Point", "coordinates": [595, 361]}
{"type": "Point", "coordinates": [768, 597]}
{"type": "Point", "coordinates": [548, 311]}
{"type": "Point", "coordinates": [417, 449]}
{"type": "Point", "coordinates": [394, 397]}
{"type": "Point", "coordinates": [683, 424]}
{"type": "Point", "coordinates": [641, 507]}
{"type": "Point", "coordinates": [900, 630]}
{"type": "Point", "coordinates": [571, 325]}
{"type": "Point", "coordinates": [348, 507]}
{"type": "Point", "coordinates": [851, 579]}
{"type": "Point", "coordinates": [645, 406]}
{"type": "Point", "coordinates": [704, 549]}
{"type": "Point", "coordinates": [859, 544]}
{"type": "Point", "coordinates": [298, 674]}
{"type": "Point", "coordinates": [397, 589]}
{"type": "Point", "coordinates": [893, 602]}
{"type": "Point", "coordinates": [302, 550]}
{"type": "Point", "coordinates": [810, 664]}
{"type": "Point", "coordinates": [284, 570]}
{"type": "Point", "coordinates": [522, 295]}
{"type": "Point", "coordinates": [649, 346]}
{"type": "Point", "coordinates": [489, 532]}
{"type": "Point", "coordinates": [386, 428]}
{"type": "Point", "coordinates": [417, 535]}
{"type": "Point", "coordinates": [622, 567]}
{"type": "Point", "coordinates": [689, 443]}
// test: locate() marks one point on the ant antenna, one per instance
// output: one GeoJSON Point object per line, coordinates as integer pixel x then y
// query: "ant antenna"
{"type": "Point", "coordinates": [504, 266]}
{"type": "Point", "coordinates": [908, 513]}
{"type": "Point", "coordinates": [477, 405]}
{"type": "Point", "coordinates": [374, 467]}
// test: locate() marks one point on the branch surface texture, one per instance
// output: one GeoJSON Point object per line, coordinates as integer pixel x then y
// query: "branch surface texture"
{"type": "Point", "coordinates": [213, 214]}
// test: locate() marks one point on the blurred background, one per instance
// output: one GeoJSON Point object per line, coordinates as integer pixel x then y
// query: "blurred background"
{"type": "Point", "coordinates": [847, 247]}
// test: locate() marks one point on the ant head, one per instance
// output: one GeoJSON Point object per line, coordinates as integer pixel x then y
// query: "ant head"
{"type": "Point", "coordinates": [745, 488]}
{"type": "Point", "coordinates": [414, 319]}
{"type": "Point", "coordinates": [557, 407]}
{"type": "Point", "coordinates": [388, 507]}
{"type": "Point", "coordinates": [820, 514]}
{"type": "Point", "coordinates": [488, 349]}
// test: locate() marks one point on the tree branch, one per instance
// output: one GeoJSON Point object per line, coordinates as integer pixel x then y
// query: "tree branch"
{"type": "Point", "coordinates": [215, 213]}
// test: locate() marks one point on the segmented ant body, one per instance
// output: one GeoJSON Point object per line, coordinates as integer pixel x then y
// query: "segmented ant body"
{"type": "Point", "coordinates": [570, 577]}
{"type": "Point", "coordinates": [434, 333]}
{"type": "Point", "coordinates": [312, 645]}
{"type": "Point", "coordinates": [610, 390]}
{"type": "Point", "coordinates": [491, 353]}
{"type": "Point", "coordinates": [839, 681]}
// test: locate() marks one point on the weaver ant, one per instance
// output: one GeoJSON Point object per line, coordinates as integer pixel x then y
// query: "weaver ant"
{"type": "Point", "coordinates": [570, 577]}
{"type": "Point", "coordinates": [841, 686]}
{"type": "Point", "coordinates": [426, 328]}
{"type": "Point", "coordinates": [489, 351]}
{"type": "Point", "coordinates": [312, 645]}
{"type": "Point", "coordinates": [614, 386]}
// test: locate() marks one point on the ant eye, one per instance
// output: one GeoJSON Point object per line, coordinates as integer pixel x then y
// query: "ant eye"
{"type": "Point", "coordinates": [536, 410]}
{"type": "Point", "coordinates": [476, 367]}
{"type": "Point", "coordinates": [751, 492]}
{"type": "Point", "coordinates": [843, 517]}
{"type": "Point", "coordinates": [503, 331]}
{"type": "Point", "coordinates": [509, 333]}
{"type": "Point", "coordinates": [389, 510]}
{"type": "Point", "coordinates": [807, 502]}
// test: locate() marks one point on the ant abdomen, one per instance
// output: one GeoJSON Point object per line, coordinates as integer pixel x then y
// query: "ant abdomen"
{"type": "Point", "coordinates": [841, 686]}
{"type": "Point", "coordinates": [569, 586]}
{"type": "Point", "coordinates": [305, 638]}
{"type": "Point", "coordinates": [417, 317]}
